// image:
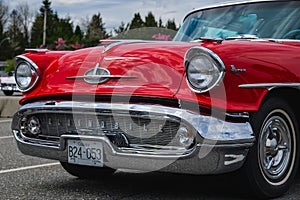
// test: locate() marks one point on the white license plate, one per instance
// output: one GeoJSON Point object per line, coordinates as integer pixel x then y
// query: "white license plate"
{"type": "Point", "coordinates": [89, 153]}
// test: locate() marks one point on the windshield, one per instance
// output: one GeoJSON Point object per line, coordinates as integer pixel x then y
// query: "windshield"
{"type": "Point", "coordinates": [274, 20]}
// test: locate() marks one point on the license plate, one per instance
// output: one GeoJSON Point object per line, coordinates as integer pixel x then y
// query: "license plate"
{"type": "Point", "coordinates": [88, 153]}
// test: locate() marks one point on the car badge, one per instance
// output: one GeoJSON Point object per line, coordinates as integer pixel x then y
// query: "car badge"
{"type": "Point", "coordinates": [236, 71]}
{"type": "Point", "coordinates": [97, 75]}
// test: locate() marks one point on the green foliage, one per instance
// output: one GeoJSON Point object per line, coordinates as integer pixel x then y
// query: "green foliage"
{"type": "Point", "coordinates": [150, 20]}
{"type": "Point", "coordinates": [10, 66]}
{"type": "Point", "coordinates": [61, 34]}
{"type": "Point", "coordinates": [136, 22]}
{"type": "Point", "coordinates": [96, 31]}
{"type": "Point", "coordinates": [171, 25]}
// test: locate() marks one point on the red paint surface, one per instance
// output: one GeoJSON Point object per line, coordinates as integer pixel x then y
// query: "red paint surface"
{"type": "Point", "coordinates": [159, 68]}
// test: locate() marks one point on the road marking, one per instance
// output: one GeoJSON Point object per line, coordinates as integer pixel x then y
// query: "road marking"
{"type": "Point", "coordinates": [6, 137]}
{"type": "Point", "coordinates": [5, 121]}
{"type": "Point", "coordinates": [29, 167]}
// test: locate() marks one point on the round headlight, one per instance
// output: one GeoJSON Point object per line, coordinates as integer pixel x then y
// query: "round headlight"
{"type": "Point", "coordinates": [204, 69]}
{"type": "Point", "coordinates": [26, 76]}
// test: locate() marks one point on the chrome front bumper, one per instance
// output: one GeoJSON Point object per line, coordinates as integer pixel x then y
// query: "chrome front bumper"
{"type": "Point", "coordinates": [220, 146]}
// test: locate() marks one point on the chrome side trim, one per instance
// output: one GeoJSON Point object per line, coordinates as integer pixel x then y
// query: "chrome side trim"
{"type": "Point", "coordinates": [101, 76]}
{"type": "Point", "coordinates": [119, 42]}
{"type": "Point", "coordinates": [270, 86]}
{"type": "Point", "coordinates": [117, 58]}
{"type": "Point", "coordinates": [35, 67]}
{"type": "Point", "coordinates": [36, 50]}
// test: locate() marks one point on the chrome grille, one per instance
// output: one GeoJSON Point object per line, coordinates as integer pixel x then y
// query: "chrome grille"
{"type": "Point", "coordinates": [136, 128]}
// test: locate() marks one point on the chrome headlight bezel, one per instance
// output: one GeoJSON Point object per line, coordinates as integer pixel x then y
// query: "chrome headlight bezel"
{"type": "Point", "coordinates": [32, 70]}
{"type": "Point", "coordinates": [217, 68]}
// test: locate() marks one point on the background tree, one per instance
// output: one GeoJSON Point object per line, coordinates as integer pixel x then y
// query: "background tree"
{"type": "Point", "coordinates": [95, 31]}
{"type": "Point", "coordinates": [26, 16]}
{"type": "Point", "coordinates": [136, 22]}
{"type": "Point", "coordinates": [4, 41]}
{"type": "Point", "coordinates": [17, 41]}
{"type": "Point", "coordinates": [160, 23]}
{"type": "Point", "coordinates": [150, 20]}
{"type": "Point", "coordinates": [171, 25]}
{"type": "Point", "coordinates": [122, 28]}
{"type": "Point", "coordinates": [38, 24]}
{"type": "Point", "coordinates": [64, 29]}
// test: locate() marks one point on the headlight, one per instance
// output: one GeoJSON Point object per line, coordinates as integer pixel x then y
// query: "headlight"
{"type": "Point", "coordinates": [204, 69]}
{"type": "Point", "coordinates": [26, 75]}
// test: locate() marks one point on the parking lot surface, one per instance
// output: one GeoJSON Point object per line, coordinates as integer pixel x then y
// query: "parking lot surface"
{"type": "Point", "coordinates": [24, 177]}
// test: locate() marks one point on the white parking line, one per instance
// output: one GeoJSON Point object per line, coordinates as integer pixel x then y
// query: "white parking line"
{"type": "Point", "coordinates": [5, 121]}
{"type": "Point", "coordinates": [6, 137]}
{"type": "Point", "coordinates": [27, 168]}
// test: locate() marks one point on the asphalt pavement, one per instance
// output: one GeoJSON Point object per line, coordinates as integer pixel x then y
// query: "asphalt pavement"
{"type": "Point", "coordinates": [25, 177]}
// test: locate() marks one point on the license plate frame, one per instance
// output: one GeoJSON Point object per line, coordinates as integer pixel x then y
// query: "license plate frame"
{"type": "Point", "coordinates": [85, 152]}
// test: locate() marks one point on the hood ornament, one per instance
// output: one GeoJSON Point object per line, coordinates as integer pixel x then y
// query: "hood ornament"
{"type": "Point", "coordinates": [99, 75]}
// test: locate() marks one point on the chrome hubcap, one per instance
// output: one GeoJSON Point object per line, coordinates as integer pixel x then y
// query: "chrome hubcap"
{"type": "Point", "coordinates": [275, 147]}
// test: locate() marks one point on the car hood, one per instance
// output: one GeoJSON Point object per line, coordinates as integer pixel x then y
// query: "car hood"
{"type": "Point", "coordinates": [134, 68]}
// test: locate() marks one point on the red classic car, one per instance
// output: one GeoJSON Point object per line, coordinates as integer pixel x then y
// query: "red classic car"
{"type": "Point", "coordinates": [223, 96]}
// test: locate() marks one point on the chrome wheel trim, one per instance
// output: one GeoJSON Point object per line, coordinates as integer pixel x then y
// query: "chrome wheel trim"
{"type": "Point", "coordinates": [277, 147]}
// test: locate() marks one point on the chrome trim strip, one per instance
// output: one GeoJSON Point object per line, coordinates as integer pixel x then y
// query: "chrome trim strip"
{"type": "Point", "coordinates": [36, 50]}
{"type": "Point", "coordinates": [115, 58]}
{"type": "Point", "coordinates": [28, 60]}
{"type": "Point", "coordinates": [270, 86]}
{"type": "Point", "coordinates": [120, 42]}
{"type": "Point", "coordinates": [35, 67]}
{"type": "Point", "coordinates": [208, 127]}
{"type": "Point", "coordinates": [101, 76]}
{"type": "Point", "coordinates": [136, 152]}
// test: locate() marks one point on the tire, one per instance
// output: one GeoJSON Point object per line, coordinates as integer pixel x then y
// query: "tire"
{"type": "Point", "coordinates": [273, 161]}
{"type": "Point", "coordinates": [86, 172]}
{"type": "Point", "coordinates": [8, 93]}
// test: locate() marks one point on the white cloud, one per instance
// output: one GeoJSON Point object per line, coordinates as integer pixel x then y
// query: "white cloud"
{"type": "Point", "coordinates": [115, 11]}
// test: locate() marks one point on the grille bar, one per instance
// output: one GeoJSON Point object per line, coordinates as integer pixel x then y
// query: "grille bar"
{"type": "Point", "coordinates": [136, 129]}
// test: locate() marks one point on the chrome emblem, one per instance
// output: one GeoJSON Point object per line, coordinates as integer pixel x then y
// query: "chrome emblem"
{"type": "Point", "coordinates": [97, 75]}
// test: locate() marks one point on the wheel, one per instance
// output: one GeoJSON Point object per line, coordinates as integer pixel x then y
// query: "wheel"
{"type": "Point", "coordinates": [86, 172]}
{"type": "Point", "coordinates": [273, 161]}
{"type": "Point", "coordinates": [8, 93]}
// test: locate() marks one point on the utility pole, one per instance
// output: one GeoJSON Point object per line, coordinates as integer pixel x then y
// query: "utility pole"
{"type": "Point", "coordinates": [45, 28]}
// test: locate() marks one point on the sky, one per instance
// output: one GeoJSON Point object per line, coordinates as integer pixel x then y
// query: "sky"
{"type": "Point", "coordinates": [115, 11]}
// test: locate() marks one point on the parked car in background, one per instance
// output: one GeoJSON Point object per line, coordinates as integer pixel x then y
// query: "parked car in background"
{"type": "Point", "coordinates": [8, 84]}
{"type": "Point", "coordinates": [223, 96]}
{"type": "Point", "coordinates": [3, 65]}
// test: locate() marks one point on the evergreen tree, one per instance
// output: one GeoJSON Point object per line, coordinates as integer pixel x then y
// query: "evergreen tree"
{"type": "Point", "coordinates": [17, 39]}
{"type": "Point", "coordinates": [171, 25]}
{"type": "Point", "coordinates": [122, 28]}
{"type": "Point", "coordinates": [78, 34]}
{"type": "Point", "coordinates": [150, 20]}
{"type": "Point", "coordinates": [4, 41]}
{"type": "Point", "coordinates": [160, 23]}
{"type": "Point", "coordinates": [95, 31]}
{"type": "Point", "coordinates": [65, 28]}
{"type": "Point", "coordinates": [136, 22]}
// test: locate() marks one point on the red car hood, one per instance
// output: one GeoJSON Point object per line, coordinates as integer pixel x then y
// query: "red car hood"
{"type": "Point", "coordinates": [139, 69]}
